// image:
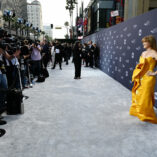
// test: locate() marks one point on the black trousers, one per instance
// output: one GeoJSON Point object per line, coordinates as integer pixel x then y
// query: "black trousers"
{"type": "Point", "coordinates": [58, 59]}
{"type": "Point", "coordinates": [77, 65]}
{"type": "Point", "coordinates": [91, 61]}
{"type": "Point", "coordinates": [36, 68]}
{"type": "Point", "coordinates": [96, 61]}
{"type": "Point", "coordinates": [87, 59]}
{"type": "Point", "coordinates": [46, 60]}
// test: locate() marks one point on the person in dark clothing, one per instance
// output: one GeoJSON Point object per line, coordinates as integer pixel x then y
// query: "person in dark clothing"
{"type": "Point", "coordinates": [46, 54]}
{"type": "Point", "coordinates": [66, 57]}
{"type": "Point", "coordinates": [58, 56]}
{"type": "Point", "coordinates": [91, 54]}
{"type": "Point", "coordinates": [69, 51]}
{"type": "Point", "coordinates": [25, 54]}
{"type": "Point", "coordinates": [83, 53]}
{"type": "Point", "coordinates": [96, 55]}
{"type": "Point", "coordinates": [3, 83]}
{"type": "Point", "coordinates": [86, 54]}
{"type": "Point", "coordinates": [8, 66]}
{"type": "Point", "coordinates": [77, 56]}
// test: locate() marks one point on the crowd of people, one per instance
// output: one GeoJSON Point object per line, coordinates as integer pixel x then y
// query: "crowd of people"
{"type": "Point", "coordinates": [22, 62]}
{"type": "Point", "coordinates": [86, 54]}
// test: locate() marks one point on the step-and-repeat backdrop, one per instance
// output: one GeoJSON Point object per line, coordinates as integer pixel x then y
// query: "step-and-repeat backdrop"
{"type": "Point", "coordinates": [120, 46]}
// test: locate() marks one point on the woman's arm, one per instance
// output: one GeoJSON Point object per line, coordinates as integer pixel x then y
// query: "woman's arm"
{"type": "Point", "coordinates": [150, 73]}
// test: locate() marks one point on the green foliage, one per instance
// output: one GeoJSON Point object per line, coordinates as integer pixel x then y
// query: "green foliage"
{"type": "Point", "coordinates": [48, 38]}
{"type": "Point", "coordinates": [70, 4]}
{"type": "Point", "coordinates": [66, 36]}
{"type": "Point", "coordinates": [66, 24]}
{"type": "Point", "coordinates": [15, 25]}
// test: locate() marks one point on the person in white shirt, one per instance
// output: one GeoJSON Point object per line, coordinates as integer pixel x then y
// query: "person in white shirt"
{"type": "Point", "coordinates": [58, 56]}
{"type": "Point", "coordinates": [53, 53]}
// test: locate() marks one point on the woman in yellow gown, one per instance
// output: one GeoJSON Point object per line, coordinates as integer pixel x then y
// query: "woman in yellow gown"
{"type": "Point", "coordinates": [144, 83]}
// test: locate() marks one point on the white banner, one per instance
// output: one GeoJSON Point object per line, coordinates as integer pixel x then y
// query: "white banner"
{"type": "Point", "coordinates": [114, 13]}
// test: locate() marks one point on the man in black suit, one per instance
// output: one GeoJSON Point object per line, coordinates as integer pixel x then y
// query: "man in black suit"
{"type": "Point", "coordinates": [96, 55]}
{"type": "Point", "coordinates": [77, 57]}
{"type": "Point", "coordinates": [91, 54]}
{"type": "Point", "coordinates": [58, 56]}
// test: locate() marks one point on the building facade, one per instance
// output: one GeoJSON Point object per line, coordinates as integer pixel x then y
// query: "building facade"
{"type": "Point", "coordinates": [105, 13]}
{"type": "Point", "coordinates": [34, 13]}
{"type": "Point", "coordinates": [17, 6]}
{"type": "Point", "coordinates": [137, 7]}
{"type": "Point", "coordinates": [1, 15]}
{"type": "Point", "coordinates": [98, 14]}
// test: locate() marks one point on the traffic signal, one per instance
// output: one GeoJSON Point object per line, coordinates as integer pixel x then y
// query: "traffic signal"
{"type": "Point", "coordinates": [51, 26]}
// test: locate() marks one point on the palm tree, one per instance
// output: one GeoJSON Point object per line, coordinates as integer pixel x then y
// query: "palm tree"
{"type": "Point", "coordinates": [70, 5]}
{"type": "Point", "coordinates": [8, 16]}
{"type": "Point", "coordinates": [43, 33]}
{"type": "Point", "coordinates": [66, 24]}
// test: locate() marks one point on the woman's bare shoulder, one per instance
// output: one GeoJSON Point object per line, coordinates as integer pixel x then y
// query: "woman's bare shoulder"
{"type": "Point", "coordinates": [143, 53]}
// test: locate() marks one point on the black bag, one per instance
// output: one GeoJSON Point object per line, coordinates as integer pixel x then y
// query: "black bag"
{"type": "Point", "coordinates": [45, 73]}
{"type": "Point", "coordinates": [41, 79]}
{"type": "Point", "coordinates": [15, 102]}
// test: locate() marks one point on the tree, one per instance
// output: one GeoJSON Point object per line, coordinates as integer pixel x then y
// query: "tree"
{"type": "Point", "coordinates": [43, 33]}
{"type": "Point", "coordinates": [48, 38]}
{"type": "Point", "coordinates": [66, 36]}
{"type": "Point", "coordinates": [70, 5]}
{"type": "Point", "coordinates": [66, 24]}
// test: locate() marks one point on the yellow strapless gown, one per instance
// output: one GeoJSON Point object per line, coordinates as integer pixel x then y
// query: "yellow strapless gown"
{"type": "Point", "coordinates": [143, 91]}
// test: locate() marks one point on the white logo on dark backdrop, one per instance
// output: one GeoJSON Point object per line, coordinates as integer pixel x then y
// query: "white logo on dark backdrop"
{"type": "Point", "coordinates": [154, 30]}
{"type": "Point", "coordinates": [140, 32]}
{"type": "Point", "coordinates": [147, 23]}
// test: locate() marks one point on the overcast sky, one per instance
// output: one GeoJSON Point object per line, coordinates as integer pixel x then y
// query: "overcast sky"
{"type": "Point", "coordinates": [54, 11]}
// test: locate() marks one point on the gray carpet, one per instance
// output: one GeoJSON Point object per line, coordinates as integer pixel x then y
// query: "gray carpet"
{"type": "Point", "coordinates": [78, 118]}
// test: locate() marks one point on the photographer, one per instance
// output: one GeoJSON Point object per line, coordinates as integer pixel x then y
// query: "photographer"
{"type": "Point", "coordinates": [36, 59]}
{"type": "Point", "coordinates": [3, 79]}
{"type": "Point", "coordinates": [8, 65]}
{"type": "Point", "coordinates": [24, 62]}
{"type": "Point", "coordinates": [18, 64]}
{"type": "Point", "coordinates": [46, 53]}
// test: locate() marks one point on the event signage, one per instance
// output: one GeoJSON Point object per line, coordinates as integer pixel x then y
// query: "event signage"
{"type": "Point", "coordinates": [114, 13]}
